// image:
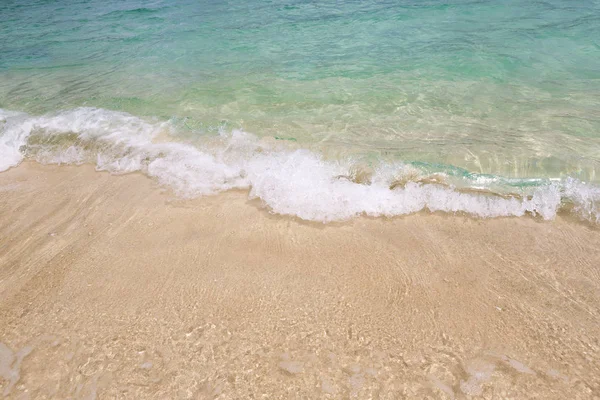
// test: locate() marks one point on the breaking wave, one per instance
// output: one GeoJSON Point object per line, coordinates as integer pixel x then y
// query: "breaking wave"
{"type": "Point", "coordinates": [290, 180]}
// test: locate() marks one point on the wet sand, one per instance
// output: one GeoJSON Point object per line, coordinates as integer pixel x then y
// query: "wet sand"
{"type": "Point", "coordinates": [113, 288]}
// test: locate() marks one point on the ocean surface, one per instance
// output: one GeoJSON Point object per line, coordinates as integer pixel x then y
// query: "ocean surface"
{"type": "Point", "coordinates": [324, 110]}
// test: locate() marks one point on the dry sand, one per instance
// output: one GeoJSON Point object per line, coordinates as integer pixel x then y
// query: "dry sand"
{"type": "Point", "coordinates": [113, 288]}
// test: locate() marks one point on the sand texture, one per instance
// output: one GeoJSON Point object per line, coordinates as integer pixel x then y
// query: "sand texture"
{"type": "Point", "coordinates": [113, 288]}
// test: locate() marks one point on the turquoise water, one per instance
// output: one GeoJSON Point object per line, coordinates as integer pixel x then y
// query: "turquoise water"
{"type": "Point", "coordinates": [490, 91]}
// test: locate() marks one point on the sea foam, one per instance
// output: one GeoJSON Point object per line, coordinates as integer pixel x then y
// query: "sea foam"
{"type": "Point", "coordinates": [289, 180]}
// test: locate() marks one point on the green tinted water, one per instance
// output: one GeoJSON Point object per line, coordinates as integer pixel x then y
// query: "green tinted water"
{"type": "Point", "coordinates": [510, 88]}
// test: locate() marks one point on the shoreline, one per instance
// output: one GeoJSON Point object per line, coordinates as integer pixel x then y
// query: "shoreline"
{"type": "Point", "coordinates": [132, 292]}
{"type": "Point", "coordinates": [290, 179]}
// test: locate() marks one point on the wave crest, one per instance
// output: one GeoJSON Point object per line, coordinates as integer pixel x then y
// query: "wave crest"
{"type": "Point", "coordinates": [288, 179]}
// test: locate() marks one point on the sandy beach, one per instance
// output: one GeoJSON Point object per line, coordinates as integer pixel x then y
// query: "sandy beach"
{"type": "Point", "coordinates": [111, 287]}
{"type": "Point", "coordinates": [299, 199]}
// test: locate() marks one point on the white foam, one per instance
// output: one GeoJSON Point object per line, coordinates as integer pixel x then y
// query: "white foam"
{"type": "Point", "coordinates": [13, 136]}
{"type": "Point", "coordinates": [89, 124]}
{"type": "Point", "coordinates": [585, 198]}
{"type": "Point", "coordinates": [290, 181]}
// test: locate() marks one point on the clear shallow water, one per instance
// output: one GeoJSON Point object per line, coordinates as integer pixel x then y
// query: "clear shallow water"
{"type": "Point", "coordinates": [454, 96]}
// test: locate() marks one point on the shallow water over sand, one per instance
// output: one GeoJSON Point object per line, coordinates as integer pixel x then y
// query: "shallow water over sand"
{"type": "Point", "coordinates": [127, 291]}
{"type": "Point", "coordinates": [508, 89]}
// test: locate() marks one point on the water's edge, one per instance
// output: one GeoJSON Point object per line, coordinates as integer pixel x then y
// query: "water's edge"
{"type": "Point", "coordinates": [289, 179]}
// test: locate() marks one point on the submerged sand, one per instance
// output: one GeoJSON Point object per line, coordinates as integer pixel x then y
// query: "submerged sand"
{"type": "Point", "coordinates": [113, 288]}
